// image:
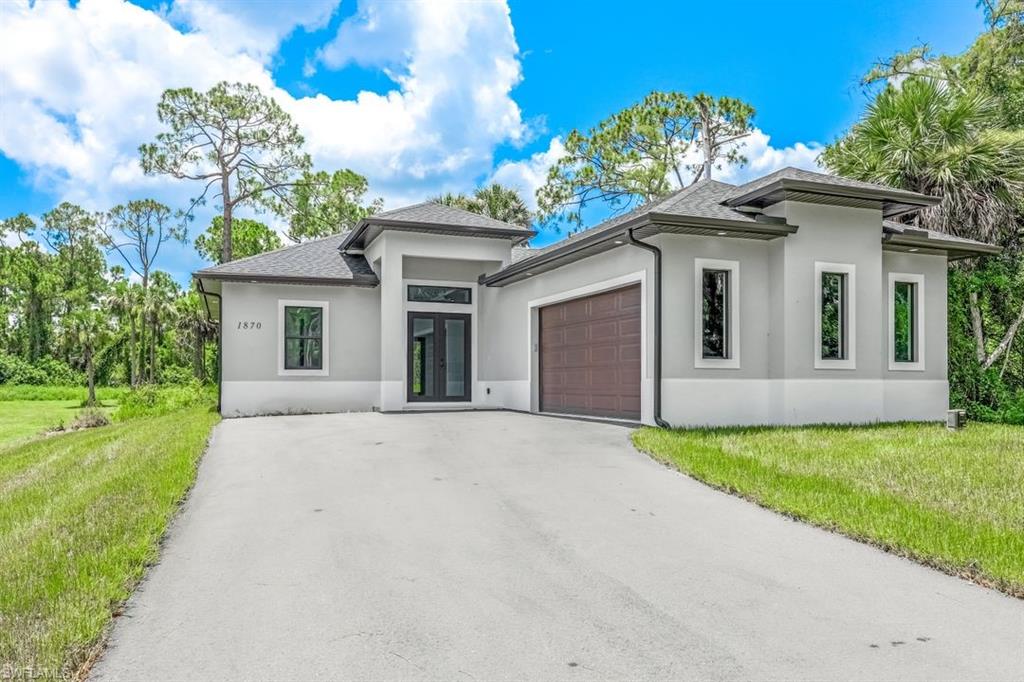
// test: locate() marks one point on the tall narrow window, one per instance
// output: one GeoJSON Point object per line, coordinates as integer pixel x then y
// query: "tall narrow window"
{"type": "Point", "coordinates": [303, 337]}
{"type": "Point", "coordinates": [906, 322]}
{"type": "Point", "coordinates": [904, 314]}
{"type": "Point", "coordinates": [715, 314]}
{"type": "Point", "coordinates": [833, 316]}
{"type": "Point", "coordinates": [716, 308]}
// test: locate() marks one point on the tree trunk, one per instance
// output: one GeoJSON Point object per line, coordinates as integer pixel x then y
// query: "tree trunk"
{"type": "Point", "coordinates": [976, 327]}
{"type": "Point", "coordinates": [133, 357]}
{"type": "Point", "coordinates": [197, 356]}
{"type": "Point", "coordinates": [152, 347]}
{"type": "Point", "coordinates": [91, 373]}
{"type": "Point", "coordinates": [1006, 342]}
{"type": "Point", "coordinates": [225, 190]}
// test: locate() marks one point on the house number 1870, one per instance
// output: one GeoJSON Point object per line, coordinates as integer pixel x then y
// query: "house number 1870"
{"type": "Point", "coordinates": [250, 325]}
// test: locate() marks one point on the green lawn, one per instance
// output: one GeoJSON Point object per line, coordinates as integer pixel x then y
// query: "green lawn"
{"type": "Point", "coordinates": [81, 515]}
{"type": "Point", "coordinates": [954, 501]}
{"type": "Point", "coordinates": [21, 420]}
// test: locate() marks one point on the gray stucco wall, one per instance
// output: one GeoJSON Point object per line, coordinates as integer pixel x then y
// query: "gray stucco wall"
{"type": "Point", "coordinates": [251, 355]}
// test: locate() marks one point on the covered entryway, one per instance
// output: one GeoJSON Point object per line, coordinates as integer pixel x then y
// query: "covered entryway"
{"type": "Point", "coordinates": [590, 355]}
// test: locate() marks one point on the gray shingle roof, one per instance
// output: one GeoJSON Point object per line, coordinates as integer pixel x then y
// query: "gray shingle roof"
{"type": "Point", "coordinates": [790, 173]}
{"type": "Point", "coordinates": [315, 260]}
{"type": "Point", "coordinates": [429, 212]}
{"type": "Point", "coordinates": [702, 199]}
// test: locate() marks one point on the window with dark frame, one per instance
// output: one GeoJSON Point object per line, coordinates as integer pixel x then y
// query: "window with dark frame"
{"type": "Point", "coordinates": [833, 316]}
{"type": "Point", "coordinates": [303, 337]}
{"type": "Point", "coordinates": [715, 313]}
{"type": "Point", "coordinates": [421, 293]}
{"type": "Point", "coordinates": [904, 321]}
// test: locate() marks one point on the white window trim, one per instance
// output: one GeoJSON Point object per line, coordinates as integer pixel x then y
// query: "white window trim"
{"type": "Point", "coordinates": [733, 267]}
{"type": "Point", "coordinates": [850, 270]}
{"type": "Point", "coordinates": [325, 345]}
{"type": "Point", "coordinates": [918, 281]}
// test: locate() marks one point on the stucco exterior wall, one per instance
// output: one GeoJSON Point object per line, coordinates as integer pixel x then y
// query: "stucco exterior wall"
{"type": "Point", "coordinates": [251, 382]}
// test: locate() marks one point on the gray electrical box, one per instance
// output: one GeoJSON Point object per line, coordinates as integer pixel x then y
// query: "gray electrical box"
{"type": "Point", "coordinates": [956, 419]}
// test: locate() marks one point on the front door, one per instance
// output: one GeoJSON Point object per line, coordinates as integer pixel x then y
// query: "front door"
{"type": "Point", "coordinates": [439, 357]}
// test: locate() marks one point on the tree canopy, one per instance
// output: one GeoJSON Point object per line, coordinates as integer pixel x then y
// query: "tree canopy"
{"type": "Point", "coordinates": [239, 144]}
{"type": "Point", "coordinates": [324, 203]}
{"type": "Point", "coordinates": [251, 238]}
{"type": "Point", "coordinates": [664, 142]}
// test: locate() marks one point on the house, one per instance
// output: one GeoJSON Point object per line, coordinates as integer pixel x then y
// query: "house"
{"type": "Point", "coordinates": [791, 299]}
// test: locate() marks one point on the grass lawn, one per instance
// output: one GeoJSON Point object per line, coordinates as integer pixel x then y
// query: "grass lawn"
{"type": "Point", "coordinates": [21, 420]}
{"type": "Point", "coordinates": [954, 501]}
{"type": "Point", "coordinates": [81, 515]}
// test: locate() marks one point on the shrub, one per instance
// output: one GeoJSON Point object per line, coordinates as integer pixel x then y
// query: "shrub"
{"type": "Point", "coordinates": [176, 376]}
{"type": "Point", "coordinates": [60, 373]}
{"type": "Point", "coordinates": [14, 370]}
{"type": "Point", "coordinates": [89, 418]}
{"type": "Point", "coordinates": [152, 400]}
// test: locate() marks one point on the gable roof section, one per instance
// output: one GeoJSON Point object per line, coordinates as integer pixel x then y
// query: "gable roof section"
{"type": "Point", "coordinates": [315, 262]}
{"type": "Point", "coordinates": [796, 184]}
{"type": "Point", "coordinates": [436, 219]}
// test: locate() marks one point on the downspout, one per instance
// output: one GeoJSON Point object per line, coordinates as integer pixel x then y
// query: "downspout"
{"type": "Point", "coordinates": [220, 336]}
{"type": "Point", "coordinates": [657, 323]}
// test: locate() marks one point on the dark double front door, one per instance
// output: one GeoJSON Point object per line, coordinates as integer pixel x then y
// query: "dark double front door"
{"type": "Point", "coordinates": [438, 357]}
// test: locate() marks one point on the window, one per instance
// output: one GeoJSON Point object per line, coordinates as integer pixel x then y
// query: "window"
{"type": "Point", "coordinates": [833, 316]}
{"type": "Point", "coordinates": [715, 314]}
{"type": "Point", "coordinates": [716, 308]}
{"type": "Point", "coordinates": [439, 294]}
{"type": "Point", "coordinates": [906, 314]}
{"type": "Point", "coordinates": [834, 321]}
{"type": "Point", "coordinates": [302, 346]}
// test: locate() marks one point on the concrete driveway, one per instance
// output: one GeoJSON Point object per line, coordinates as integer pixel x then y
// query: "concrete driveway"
{"type": "Point", "coordinates": [506, 546]}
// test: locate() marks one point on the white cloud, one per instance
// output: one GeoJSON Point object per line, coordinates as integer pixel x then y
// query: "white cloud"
{"type": "Point", "coordinates": [763, 158]}
{"type": "Point", "coordinates": [529, 174]}
{"type": "Point", "coordinates": [81, 85]}
{"type": "Point", "coordinates": [256, 28]}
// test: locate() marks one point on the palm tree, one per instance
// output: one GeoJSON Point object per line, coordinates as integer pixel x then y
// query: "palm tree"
{"type": "Point", "coordinates": [194, 328]}
{"type": "Point", "coordinates": [125, 299]}
{"type": "Point", "coordinates": [494, 201]}
{"type": "Point", "coordinates": [930, 138]}
{"type": "Point", "coordinates": [91, 331]}
{"type": "Point", "coordinates": [503, 203]}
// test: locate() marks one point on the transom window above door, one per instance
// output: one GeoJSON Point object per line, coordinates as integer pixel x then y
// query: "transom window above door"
{"type": "Point", "coordinates": [422, 293]}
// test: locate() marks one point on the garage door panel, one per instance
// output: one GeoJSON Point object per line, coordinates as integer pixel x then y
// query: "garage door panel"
{"type": "Point", "coordinates": [590, 355]}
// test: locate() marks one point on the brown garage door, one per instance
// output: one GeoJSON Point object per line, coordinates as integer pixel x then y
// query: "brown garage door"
{"type": "Point", "coordinates": [590, 355]}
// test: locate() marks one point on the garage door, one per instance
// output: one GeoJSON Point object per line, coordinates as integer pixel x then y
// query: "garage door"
{"type": "Point", "coordinates": [590, 355]}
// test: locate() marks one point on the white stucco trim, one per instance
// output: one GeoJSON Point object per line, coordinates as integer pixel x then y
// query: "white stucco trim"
{"type": "Point", "coordinates": [532, 324]}
{"type": "Point", "coordinates": [733, 267]}
{"type": "Point", "coordinates": [850, 270]}
{"type": "Point", "coordinates": [745, 402]}
{"type": "Point", "coordinates": [919, 336]}
{"type": "Point", "coordinates": [246, 398]}
{"type": "Point", "coordinates": [325, 344]}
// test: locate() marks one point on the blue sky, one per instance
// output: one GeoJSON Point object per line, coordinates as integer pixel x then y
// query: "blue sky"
{"type": "Point", "coordinates": [425, 98]}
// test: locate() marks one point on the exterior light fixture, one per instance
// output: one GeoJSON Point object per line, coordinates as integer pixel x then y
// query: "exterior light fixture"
{"type": "Point", "coordinates": [721, 234]}
{"type": "Point", "coordinates": [913, 249]}
{"type": "Point", "coordinates": [618, 241]}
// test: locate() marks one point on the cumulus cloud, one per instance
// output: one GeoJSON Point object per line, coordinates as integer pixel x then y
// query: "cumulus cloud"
{"type": "Point", "coordinates": [529, 174]}
{"type": "Point", "coordinates": [256, 28]}
{"type": "Point", "coordinates": [81, 85]}
{"type": "Point", "coordinates": [763, 158]}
